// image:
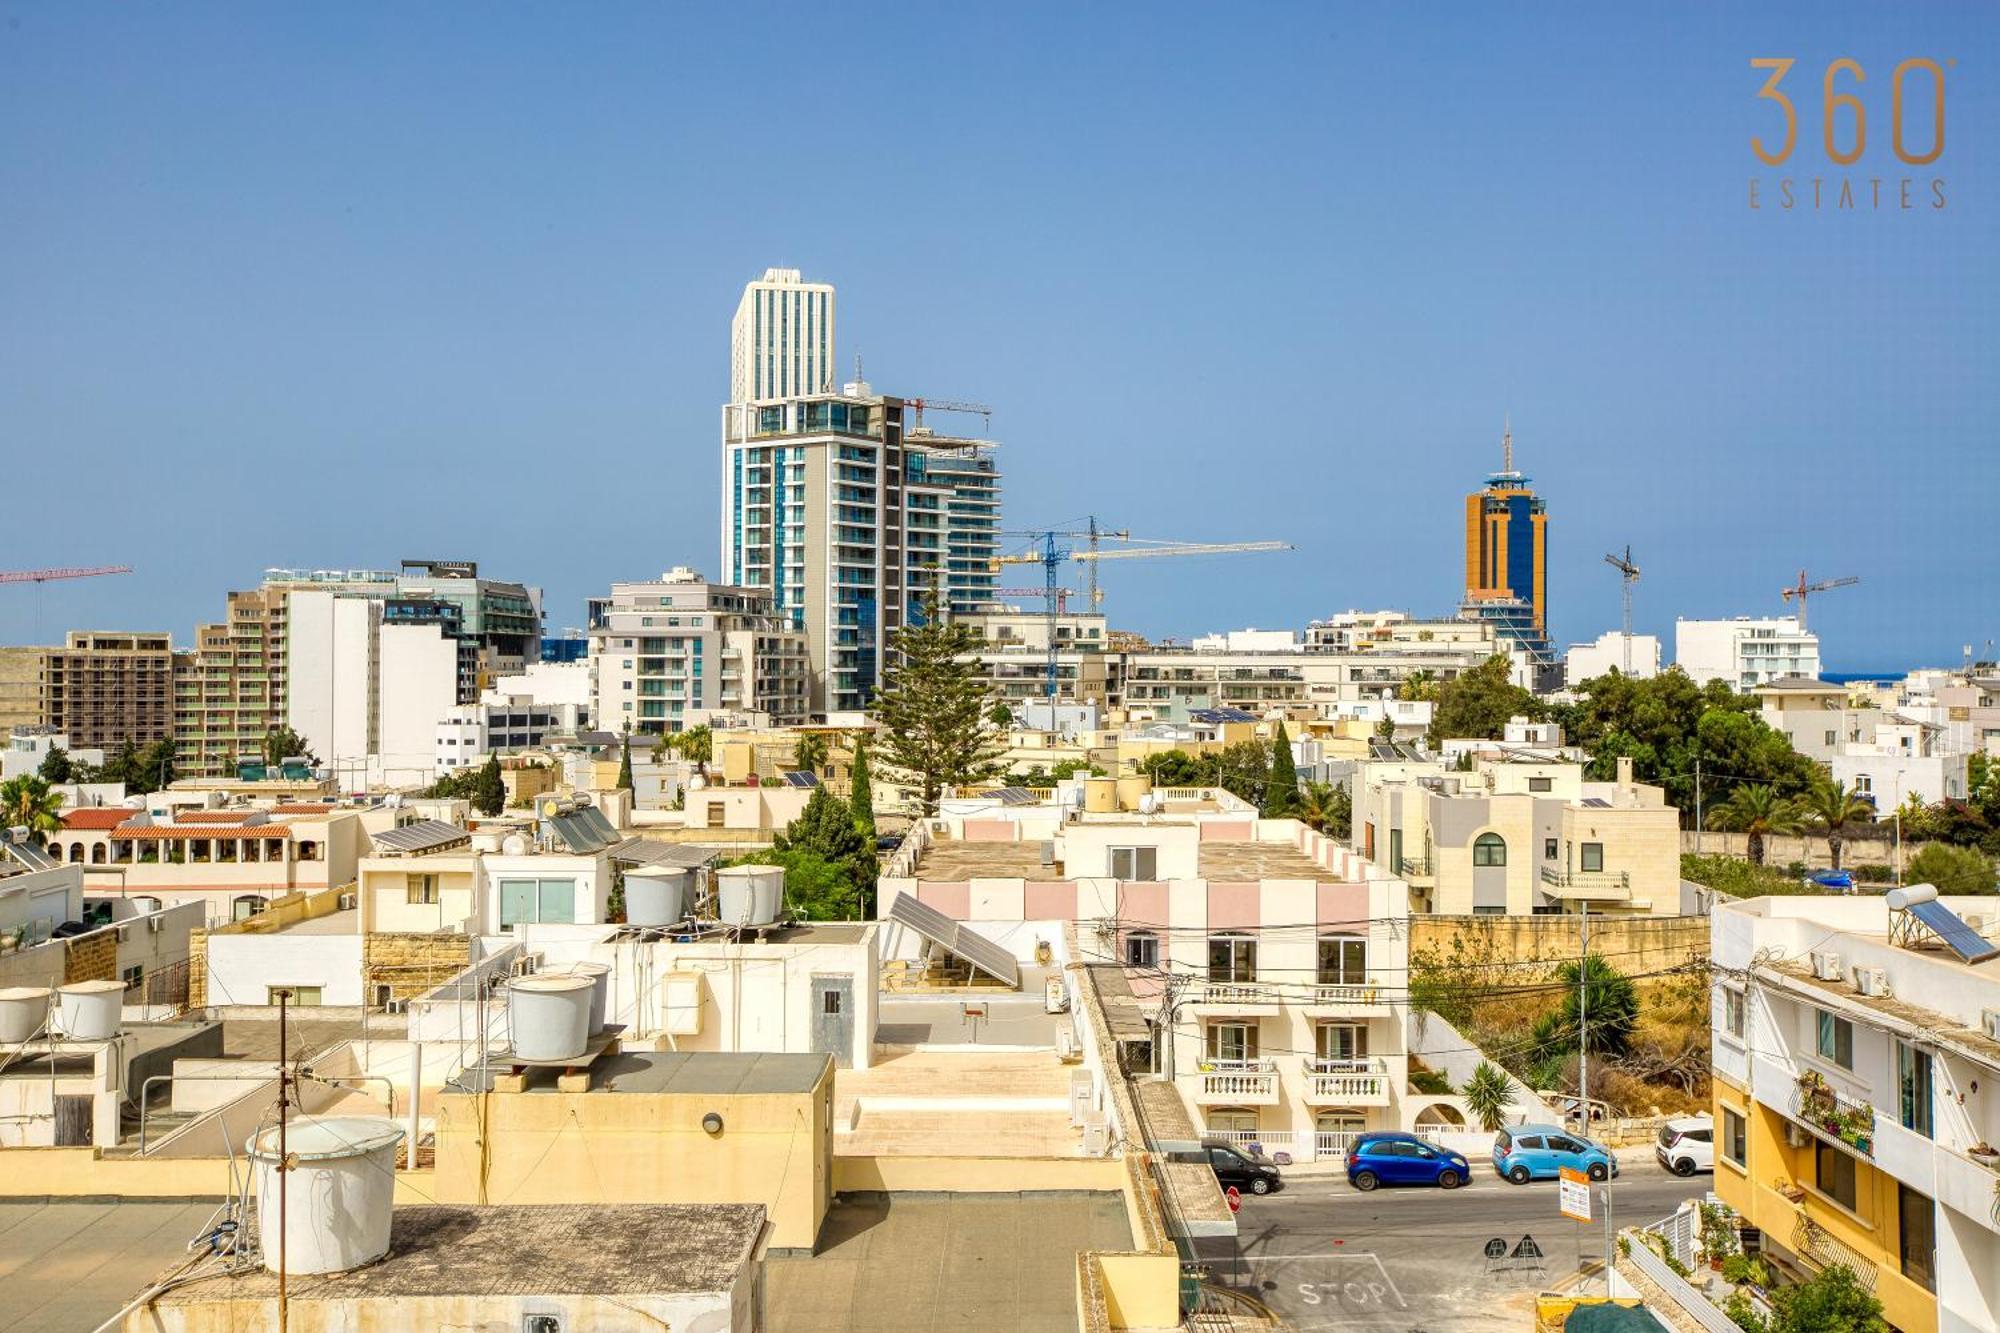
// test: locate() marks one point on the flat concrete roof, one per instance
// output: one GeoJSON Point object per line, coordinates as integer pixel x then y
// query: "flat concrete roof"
{"type": "Point", "coordinates": [704, 1073]}
{"type": "Point", "coordinates": [526, 1249]}
{"type": "Point", "coordinates": [72, 1265]}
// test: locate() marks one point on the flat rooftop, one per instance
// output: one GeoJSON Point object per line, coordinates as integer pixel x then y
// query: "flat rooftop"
{"type": "Point", "coordinates": [527, 1249]}
{"type": "Point", "coordinates": [72, 1265]}
{"type": "Point", "coordinates": [950, 861]}
{"type": "Point", "coordinates": [701, 1073]}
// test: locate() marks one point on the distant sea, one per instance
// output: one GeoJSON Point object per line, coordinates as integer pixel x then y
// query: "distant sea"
{"type": "Point", "coordinates": [1850, 677]}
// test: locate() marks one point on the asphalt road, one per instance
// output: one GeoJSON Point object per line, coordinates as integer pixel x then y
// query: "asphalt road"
{"type": "Point", "coordinates": [1411, 1260]}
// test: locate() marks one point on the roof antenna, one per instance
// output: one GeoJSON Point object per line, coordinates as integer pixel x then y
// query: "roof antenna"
{"type": "Point", "coordinates": [1507, 441]}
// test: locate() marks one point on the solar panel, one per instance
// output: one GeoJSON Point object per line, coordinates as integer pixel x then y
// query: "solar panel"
{"type": "Point", "coordinates": [801, 779]}
{"type": "Point", "coordinates": [32, 856]}
{"type": "Point", "coordinates": [426, 835]}
{"type": "Point", "coordinates": [584, 831]}
{"type": "Point", "coordinates": [1597, 803]}
{"type": "Point", "coordinates": [955, 939]}
{"type": "Point", "coordinates": [1960, 938]}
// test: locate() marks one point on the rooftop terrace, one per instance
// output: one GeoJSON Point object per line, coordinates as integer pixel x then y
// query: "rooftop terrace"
{"type": "Point", "coordinates": [947, 860]}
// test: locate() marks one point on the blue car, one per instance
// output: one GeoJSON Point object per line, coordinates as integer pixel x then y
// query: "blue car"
{"type": "Point", "coordinates": [1403, 1159]}
{"type": "Point", "coordinates": [1523, 1153]}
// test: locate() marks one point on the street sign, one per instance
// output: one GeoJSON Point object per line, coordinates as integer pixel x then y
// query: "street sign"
{"type": "Point", "coordinates": [1527, 1249]}
{"type": "Point", "coordinates": [1573, 1194]}
{"type": "Point", "coordinates": [1235, 1197]}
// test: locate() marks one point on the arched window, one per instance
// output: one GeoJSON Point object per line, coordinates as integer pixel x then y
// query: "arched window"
{"type": "Point", "coordinates": [1489, 849]}
{"type": "Point", "coordinates": [247, 906]}
{"type": "Point", "coordinates": [97, 854]}
{"type": "Point", "coordinates": [76, 853]}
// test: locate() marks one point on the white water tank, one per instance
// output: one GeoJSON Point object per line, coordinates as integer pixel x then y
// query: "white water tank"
{"type": "Point", "coordinates": [656, 896]}
{"type": "Point", "coordinates": [338, 1192]}
{"type": "Point", "coordinates": [486, 841]}
{"type": "Point", "coordinates": [549, 1015]}
{"type": "Point", "coordinates": [90, 1010]}
{"type": "Point", "coordinates": [749, 895]}
{"type": "Point", "coordinates": [514, 845]}
{"type": "Point", "coordinates": [600, 992]}
{"type": "Point", "coordinates": [23, 1010]}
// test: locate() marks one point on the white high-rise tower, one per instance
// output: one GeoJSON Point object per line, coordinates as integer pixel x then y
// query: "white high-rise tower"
{"type": "Point", "coordinates": [781, 341]}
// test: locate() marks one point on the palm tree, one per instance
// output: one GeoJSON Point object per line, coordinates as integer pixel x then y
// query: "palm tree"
{"type": "Point", "coordinates": [1325, 808]}
{"type": "Point", "coordinates": [810, 752]}
{"type": "Point", "coordinates": [1488, 1094]}
{"type": "Point", "coordinates": [27, 802]}
{"type": "Point", "coordinates": [697, 744]}
{"type": "Point", "coordinates": [1757, 811]}
{"type": "Point", "coordinates": [1831, 807]}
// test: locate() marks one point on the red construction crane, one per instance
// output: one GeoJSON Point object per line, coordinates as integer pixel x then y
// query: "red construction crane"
{"type": "Point", "coordinates": [1802, 590]}
{"type": "Point", "coordinates": [49, 575]}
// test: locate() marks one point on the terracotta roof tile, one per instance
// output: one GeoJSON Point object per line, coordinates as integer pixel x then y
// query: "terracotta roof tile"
{"type": "Point", "coordinates": [96, 817]}
{"type": "Point", "coordinates": [226, 831]}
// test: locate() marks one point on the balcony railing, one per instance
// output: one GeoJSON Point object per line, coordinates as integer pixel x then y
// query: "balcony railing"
{"type": "Point", "coordinates": [1609, 880]}
{"type": "Point", "coordinates": [1414, 867]}
{"type": "Point", "coordinates": [1334, 993]}
{"type": "Point", "coordinates": [1247, 1081]}
{"type": "Point", "coordinates": [1236, 993]}
{"type": "Point", "coordinates": [1348, 1082]}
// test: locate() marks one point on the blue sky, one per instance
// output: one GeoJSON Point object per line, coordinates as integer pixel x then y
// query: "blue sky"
{"type": "Point", "coordinates": [334, 285]}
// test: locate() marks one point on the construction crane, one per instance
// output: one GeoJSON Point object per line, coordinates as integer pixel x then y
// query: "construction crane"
{"type": "Point", "coordinates": [917, 406]}
{"type": "Point", "coordinates": [1628, 574]}
{"type": "Point", "coordinates": [1801, 590]}
{"type": "Point", "coordinates": [51, 575]}
{"type": "Point", "coordinates": [1054, 549]}
{"type": "Point", "coordinates": [1062, 594]}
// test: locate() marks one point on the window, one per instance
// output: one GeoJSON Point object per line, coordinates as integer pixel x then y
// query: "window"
{"type": "Point", "coordinates": [717, 813]}
{"type": "Point", "coordinates": [1551, 849]}
{"type": "Point", "coordinates": [306, 995]}
{"type": "Point", "coordinates": [1913, 1088]}
{"type": "Point", "coordinates": [1833, 1175]}
{"type": "Point", "coordinates": [1591, 855]}
{"type": "Point", "coordinates": [134, 976]}
{"type": "Point", "coordinates": [1836, 1040]}
{"type": "Point", "coordinates": [1340, 1041]}
{"type": "Point", "coordinates": [1343, 960]}
{"type": "Point", "coordinates": [1541, 784]}
{"type": "Point", "coordinates": [1735, 1138]}
{"type": "Point", "coordinates": [247, 906]}
{"type": "Point", "coordinates": [420, 889]}
{"type": "Point", "coordinates": [1732, 1012]}
{"type": "Point", "coordinates": [1232, 958]}
{"type": "Point", "coordinates": [537, 900]}
{"type": "Point", "coordinates": [830, 1002]}
{"type": "Point", "coordinates": [1489, 849]}
{"type": "Point", "coordinates": [1142, 949]}
{"type": "Point", "coordinates": [1135, 863]}
{"type": "Point", "coordinates": [1916, 1232]}
{"type": "Point", "coordinates": [1232, 1042]}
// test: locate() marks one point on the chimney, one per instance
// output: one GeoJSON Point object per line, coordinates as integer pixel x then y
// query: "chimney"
{"type": "Point", "coordinates": [1625, 770]}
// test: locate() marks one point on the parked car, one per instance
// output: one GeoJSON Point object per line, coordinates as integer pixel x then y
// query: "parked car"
{"type": "Point", "coordinates": [1523, 1153]}
{"type": "Point", "coordinates": [1390, 1158]}
{"type": "Point", "coordinates": [1249, 1171]}
{"type": "Point", "coordinates": [1687, 1145]}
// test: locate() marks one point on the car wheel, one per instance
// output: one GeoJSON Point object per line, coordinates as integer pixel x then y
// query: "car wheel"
{"type": "Point", "coordinates": [1448, 1179]}
{"type": "Point", "coordinates": [1599, 1171]}
{"type": "Point", "coordinates": [1364, 1181]}
{"type": "Point", "coordinates": [1260, 1186]}
{"type": "Point", "coordinates": [1684, 1167]}
{"type": "Point", "coordinates": [1519, 1175]}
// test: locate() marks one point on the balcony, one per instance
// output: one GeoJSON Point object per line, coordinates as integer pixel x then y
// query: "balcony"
{"type": "Point", "coordinates": [1594, 885]}
{"type": "Point", "coordinates": [1236, 997]}
{"type": "Point", "coordinates": [1237, 1083]}
{"type": "Point", "coordinates": [1346, 1083]}
{"type": "Point", "coordinates": [1416, 868]}
{"type": "Point", "coordinates": [1335, 999]}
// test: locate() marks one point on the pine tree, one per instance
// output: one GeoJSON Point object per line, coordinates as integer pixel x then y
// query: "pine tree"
{"type": "Point", "coordinates": [933, 708]}
{"type": "Point", "coordinates": [489, 793]}
{"type": "Point", "coordinates": [1281, 789]}
{"type": "Point", "coordinates": [625, 761]}
{"type": "Point", "coordinates": [56, 768]}
{"type": "Point", "coordinates": [861, 796]}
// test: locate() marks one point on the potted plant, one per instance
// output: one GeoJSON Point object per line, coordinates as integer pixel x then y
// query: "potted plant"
{"type": "Point", "coordinates": [1792, 1190]}
{"type": "Point", "coordinates": [1985, 1154]}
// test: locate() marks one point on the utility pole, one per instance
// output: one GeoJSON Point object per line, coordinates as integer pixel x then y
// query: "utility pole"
{"type": "Point", "coordinates": [1583, 1018]}
{"type": "Point", "coordinates": [284, 1162]}
{"type": "Point", "coordinates": [1697, 804]}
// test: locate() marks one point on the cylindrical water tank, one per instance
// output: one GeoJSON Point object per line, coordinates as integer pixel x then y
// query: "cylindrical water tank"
{"type": "Point", "coordinates": [749, 895]}
{"type": "Point", "coordinates": [600, 993]}
{"type": "Point", "coordinates": [486, 841]}
{"type": "Point", "coordinates": [1100, 796]}
{"type": "Point", "coordinates": [550, 1015]}
{"type": "Point", "coordinates": [1133, 790]}
{"type": "Point", "coordinates": [23, 1010]}
{"type": "Point", "coordinates": [656, 896]}
{"type": "Point", "coordinates": [515, 845]}
{"type": "Point", "coordinates": [1911, 894]}
{"type": "Point", "coordinates": [338, 1192]}
{"type": "Point", "coordinates": [90, 1010]}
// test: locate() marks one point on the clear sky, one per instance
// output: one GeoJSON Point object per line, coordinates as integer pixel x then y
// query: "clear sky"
{"type": "Point", "coordinates": [332, 285]}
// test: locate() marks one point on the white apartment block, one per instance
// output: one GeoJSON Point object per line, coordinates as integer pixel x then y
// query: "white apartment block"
{"type": "Point", "coordinates": [781, 340]}
{"type": "Point", "coordinates": [1857, 1098]}
{"type": "Point", "coordinates": [1745, 652]}
{"type": "Point", "coordinates": [1247, 641]}
{"type": "Point", "coordinates": [366, 693]}
{"type": "Point", "coordinates": [1518, 835]}
{"type": "Point", "coordinates": [501, 725]}
{"type": "Point", "coordinates": [1367, 631]}
{"type": "Point", "coordinates": [667, 654]}
{"type": "Point", "coordinates": [1639, 657]}
{"type": "Point", "coordinates": [851, 521]}
{"type": "Point", "coordinates": [1268, 961]}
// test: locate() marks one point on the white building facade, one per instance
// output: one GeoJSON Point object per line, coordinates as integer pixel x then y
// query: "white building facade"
{"type": "Point", "coordinates": [1746, 652]}
{"type": "Point", "coordinates": [669, 653]}
{"type": "Point", "coordinates": [781, 341]}
{"type": "Point", "coordinates": [1610, 652]}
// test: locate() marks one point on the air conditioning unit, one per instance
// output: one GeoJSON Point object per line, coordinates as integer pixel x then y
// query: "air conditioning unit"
{"type": "Point", "coordinates": [155, 923]}
{"type": "Point", "coordinates": [1796, 1137]}
{"type": "Point", "coordinates": [1826, 966]}
{"type": "Point", "coordinates": [526, 964]}
{"type": "Point", "coordinates": [345, 902]}
{"type": "Point", "coordinates": [1990, 1020]}
{"type": "Point", "coordinates": [1066, 1044]}
{"type": "Point", "coordinates": [396, 1007]}
{"type": "Point", "coordinates": [1871, 981]}
{"type": "Point", "coordinates": [1096, 1139]}
{"type": "Point", "coordinates": [1056, 998]}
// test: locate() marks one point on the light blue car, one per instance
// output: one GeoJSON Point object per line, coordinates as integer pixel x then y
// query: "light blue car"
{"type": "Point", "coordinates": [1523, 1153]}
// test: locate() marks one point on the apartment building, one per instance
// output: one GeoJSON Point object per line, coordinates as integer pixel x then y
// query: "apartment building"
{"type": "Point", "coordinates": [1013, 656]}
{"type": "Point", "coordinates": [1886, 755]}
{"type": "Point", "coordinates": [501, 724]}
{"type": "Point", "coordinates": [1367, 631]}
{"type": "Point", "coordinates": [1268, 962]}
{"type": "Point", "coordinates": [103, 689]}
{"type": "Point", "coordinates": [1747, 651]}
{"type": "Point", "coordinates": [1636, 655]}
{"type": "Point", "coordinates": [231, 690]}
{"type": "Point", "coordinates": [1857, 1095]}
{"type": "Point", "coordinates": [669, 653]}
{"type": "Point", "coordinates": [1520, 833]}
{"type": "Point", "coordinates": [781, 340]}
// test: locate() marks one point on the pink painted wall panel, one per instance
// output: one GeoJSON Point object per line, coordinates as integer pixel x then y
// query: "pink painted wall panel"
{"type": "Point", "coordinates": [1049, 902]}
{"type": "Point", "coordinates": [1142, 903]}
{"type": "Point", "coordinates": [1234, 906]}
{"type": "Point", "coordinates": [1343, 904]}
{"type": "Point", "coordinates": [1232, 831]}
{"type": "Point", "coordinates": [990, 830]}
{"type": "Point", "coordinates": [954, 900]}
